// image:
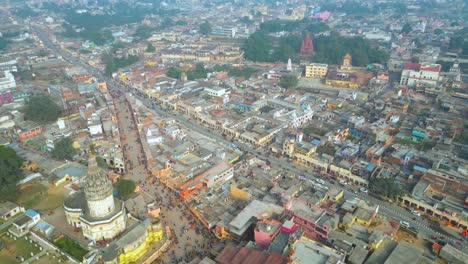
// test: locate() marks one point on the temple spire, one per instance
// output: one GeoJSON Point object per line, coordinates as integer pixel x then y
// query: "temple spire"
{"type": "Point", "coordinates": [307, 46]}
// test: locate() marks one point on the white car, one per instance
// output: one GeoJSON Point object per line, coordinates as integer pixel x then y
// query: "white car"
{"type": "Point", "coordinates": [319, 181]}
{"type": "Point", "coordinates": [405, 224]}
{"type": "Point", "coordinates": [343, 182]}
{"type": "Point", "coordinates": [416, 213]}
{"type": "Point", "coordinates": [364, 190]}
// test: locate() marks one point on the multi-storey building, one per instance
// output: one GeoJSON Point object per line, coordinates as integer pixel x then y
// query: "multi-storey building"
{"type": "Point", "coordinates": [415, 74]}
{"type": "Point", "coordinates": [7, 81]}
{"type": "Point", "coordinates": [316, 70]}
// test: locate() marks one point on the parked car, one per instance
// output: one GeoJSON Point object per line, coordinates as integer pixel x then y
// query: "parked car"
{"type": "Point", "coordinates": [416, 213]}
{"type": "Point", "coordinates": [405, 224]}
{"type": "Point", "coordinates": [364, 190]}
{"type": "Point", "coordinates": [319, 181]}
{"type": "Point", "coordinates": [343, 182]}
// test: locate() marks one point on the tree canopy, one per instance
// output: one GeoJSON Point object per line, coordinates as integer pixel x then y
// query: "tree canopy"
{"type": "Point", "coordinates": [114, 63]}
{"type": "Point", "coordinates": [3, 43]}
{"type": "Point", "coordinates": [174, 72]}
{"type": "Point", "coordinates": [42, 109]}
{"type": "Point", "coordinates": [63, 149]}
{"type": "Point", "coordinates": [96, 35]}
{"type": "Point", "coordinates": [125, 187]}
{"type": "Point", "coordinates": [143, 32]}
{"type": "Point", "coordinates": [406, 28]}
{"type": "Point", "coordinates": [198, 73]}
{"type": "Point", "coordinates": [331, 49]}
{"type": "Point", "coordinates": [150, 48]}
{"type": "Point", "coordinates": [235, 71]}
{"type": "Point", "coordinates": [10, 172]}
{"type": "Point", "coordinates": [205, 28]}
{"type": "Point", "coordinates": [385, 187]}
{"type": "Point", "coordinates": [327, 49]}
{"type": "Point", "coordinates": [288, 81]}
{"type": "Point", "coordinates": [257, 47]}
{"type": "Point", "coordinates": [318, 27]}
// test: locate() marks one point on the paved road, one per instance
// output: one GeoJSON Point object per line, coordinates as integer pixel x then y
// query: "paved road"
{"type": "Point", "coordinates": [389, 210]}
{"type": "Point", "coordinates": [191, 239]}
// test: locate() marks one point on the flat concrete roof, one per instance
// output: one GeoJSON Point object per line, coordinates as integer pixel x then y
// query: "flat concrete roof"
{"type": "Point", "coordinates": [257, 209]}
{"type": "Point", "coordinates": [309, 251]}
{"type": "Point", "coordinates": [404, 253]}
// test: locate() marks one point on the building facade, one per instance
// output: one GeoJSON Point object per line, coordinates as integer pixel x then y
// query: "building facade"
{"type": "Point", "coordinates": [7, 81]}
{"type": "Point", "coordinates": [316, 70]}
{"type": "Point", "coordinates": [416, 74]}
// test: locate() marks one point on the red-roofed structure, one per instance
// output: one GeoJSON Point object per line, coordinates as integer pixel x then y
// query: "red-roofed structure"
{"type": "Point", "coordinates": [307, 46]}
{"type": "Point", "coordinates": [416, 74]}
{"type": "Point", "coordinates": [412, 66]}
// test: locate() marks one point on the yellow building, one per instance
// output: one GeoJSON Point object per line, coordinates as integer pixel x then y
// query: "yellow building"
{"type": "Point", "coordinates": [135, 243]}
{"type": "Point", "coordinates": [316, 70]}
{"type": "Point", "coordinates": [344, 77]}
{"type": "Point", "coordinates": [342, 80]}
{"type": "Point", "coordinates": [239, 193]}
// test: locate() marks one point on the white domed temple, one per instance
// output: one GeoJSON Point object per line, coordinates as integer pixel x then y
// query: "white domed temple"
{"type": "Point", "coordinates": [95, 210]}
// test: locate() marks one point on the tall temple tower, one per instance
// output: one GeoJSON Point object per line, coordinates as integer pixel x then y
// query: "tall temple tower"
{"type": "Point", "coordinates": [307, 47]}
{"type": "Point", "coordinates": [98, 191]}
{"type": "Point", "coordinates": [346, 66]}
{"type": "Point", "coordinates": [96, 211]}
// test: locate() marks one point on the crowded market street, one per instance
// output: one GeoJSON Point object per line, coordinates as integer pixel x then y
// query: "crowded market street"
{"type": "Point", "coordinates": [189, 238]}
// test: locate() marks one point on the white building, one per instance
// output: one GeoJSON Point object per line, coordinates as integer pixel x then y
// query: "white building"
{"type": "Point", "coordinates": [153, 136]}
{"type": "Point", "coordinates": [96, 211]}
{"type": "Point", "coordinates": [415, 74]}
{"type": "Point", "coordinates": [7, 81]}
{"type": "Point", "coordinates": [215, 91]}
{"type": "Point", "coordinates": [224, 31]}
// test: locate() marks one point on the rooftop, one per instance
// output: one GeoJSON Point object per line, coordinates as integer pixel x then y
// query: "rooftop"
{"type": "Point", "coordinates": [404, 253]}
{"type": "Point", "coordinates": [309, 251]}
{"type": "Point", "coordinates": [255, 210]}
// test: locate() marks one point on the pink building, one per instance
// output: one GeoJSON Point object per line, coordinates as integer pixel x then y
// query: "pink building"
{"type": "Point", "coordinates": [316, 222]}
{"type": "Point", "coordinates": [322, 15]}
{"type": "Point", "coordinates": [265, 231]}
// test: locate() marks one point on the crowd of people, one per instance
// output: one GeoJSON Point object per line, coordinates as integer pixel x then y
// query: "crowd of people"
{"type": "Point", "coordinates": [189, 238]}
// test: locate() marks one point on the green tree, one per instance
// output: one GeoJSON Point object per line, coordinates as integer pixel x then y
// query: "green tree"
{"type": "Point", "coordinates": [198, 73]}
{"type": "Point", "coordinates": [288, 81]}
{"type": "Point", "coordinates": [174, 73]}
{"type": "Point", "coordinates": [205, 28]}
{"type": "Point", "coordinates": [318, 27]}
{"type": "Point", "coordinates": [406, 28]}
{"type": "Point", "coordinates": [114, 63]}
{"type": "Point", "coordinates": [386, 187]}
{"type": "Point", "coordinates": [438, 31]}
{"type": "Point", "coordinates": [283, 53]}
{"type": "Point", "coordinates": [10, 172]}
{"type": "Point", "coordinates": [150, 48]}
{"type": "Point", "coordinates": [125, 187]}
{"type": "Point", "coordinates": [456, 43]}
{"type": "Point", "coordinates": [64, 149]}
{"type": "Point", "coordinates": [143, 32]}
{"type": "Point", "coordinates": [446, 65]}
{"type": "Point", "coordinates": [167, 23]}
{"type": "Point", "coordinates": [3, 43]}
{"type": "Point", "coordinates": [42, 109]}
{"type": "Point", "coordinates": [257, 47]}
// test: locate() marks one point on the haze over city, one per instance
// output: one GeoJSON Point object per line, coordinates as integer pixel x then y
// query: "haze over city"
{"type": "Point", "coordinates": [222, 132]}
